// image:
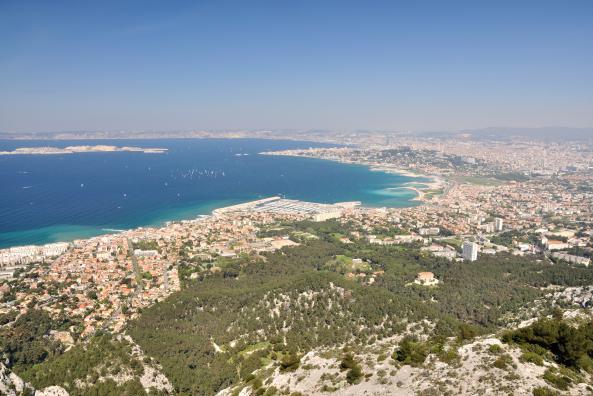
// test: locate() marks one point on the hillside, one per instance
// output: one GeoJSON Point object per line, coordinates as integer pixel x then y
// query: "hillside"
{"type": "Point", "coordinates": [267, 314]}
{"type": "Point", "coordinates": [325, 316]}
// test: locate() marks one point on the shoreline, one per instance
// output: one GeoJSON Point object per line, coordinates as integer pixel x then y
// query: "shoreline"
{"type": "Point", "coordinates": [371, 165]}
{"type": "Point", "coordinates": [420, 193]}
{"type": "Point", "coordinates": [434, 182]}
{"type": "Point", "coordinates": [202, 211]}
{"type": "Point", "coordinates": [70, 232]}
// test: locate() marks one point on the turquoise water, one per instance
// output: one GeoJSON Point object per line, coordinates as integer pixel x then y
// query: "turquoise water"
{"type": "Point", "coordinates": [63, 197]}
{"type": "Point", "coordinates": [417, 185]}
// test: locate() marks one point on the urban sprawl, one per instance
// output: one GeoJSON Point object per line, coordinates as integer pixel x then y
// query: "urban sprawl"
{"type": "Point", "coordinates": [474, 198]}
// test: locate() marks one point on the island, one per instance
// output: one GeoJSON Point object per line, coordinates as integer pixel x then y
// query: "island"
{"type": "Point", "coordinates": [80, 149]}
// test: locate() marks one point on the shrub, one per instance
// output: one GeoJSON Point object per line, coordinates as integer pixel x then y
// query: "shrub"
{"type": "Point", "coordinates": [271, 391]}
{"type": "Point", "coordinates": [503, 362]}
{"type": "Point", "coordinates": [249, 377]}
{"type": "Point", "coordinates": [347, 361]}
{"type": "Point", "coordinates": [467, 331]}
{"type": "Point", "coordinates": [586, 363]}
{"type": "Point", "coordinates": [567, 343]}
{"type": "Point", "coordinates": [532, 357]}
{"type": "Point", "coordinates": [290, 362]}
{"type": "Point", "coordinates": [543, 391]}
{"type": "Point", "coordinates": [495, 349]}
{"type": "Point", "coordinates": [256, 383]}
{"type": "Point", "coordinates": [411, 352]}
{"type": "Point", "coordinates": [449, 356]}
{"type": "Point", "coordinates": [558, 381]}
{"type": "Point", "coordinates": [354, 373]}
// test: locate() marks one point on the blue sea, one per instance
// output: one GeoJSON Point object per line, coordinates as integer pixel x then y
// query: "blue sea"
{"type": "Point", "coordinates": [48, 198]}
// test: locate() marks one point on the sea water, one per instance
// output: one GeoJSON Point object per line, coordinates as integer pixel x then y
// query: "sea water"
{"type": "Point", "coordinates": [47, 198]}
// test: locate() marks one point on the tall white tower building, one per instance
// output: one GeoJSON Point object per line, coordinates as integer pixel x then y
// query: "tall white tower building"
{"type": "Point", "coordinates": [470, 251]}
{"type": "Point", "coordinates": [498, 224]}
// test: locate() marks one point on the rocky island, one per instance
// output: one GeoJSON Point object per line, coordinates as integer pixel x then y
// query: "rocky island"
{"type": "Point", "coordinates": [80, 149]}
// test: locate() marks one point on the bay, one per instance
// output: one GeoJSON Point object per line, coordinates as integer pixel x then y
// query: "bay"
{"type": "Point", "coordinates": [48, 198]}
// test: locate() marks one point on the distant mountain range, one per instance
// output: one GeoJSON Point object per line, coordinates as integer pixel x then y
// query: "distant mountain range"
{"type": "Point", "coordinates": [490, 133]}
{"type": "Point", "coordinates": [545, 133]}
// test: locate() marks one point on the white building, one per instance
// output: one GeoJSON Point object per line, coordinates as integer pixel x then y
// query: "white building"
{"type": "Point", "coordinates": [498, 224]}
{"type": "Point", "coordinates": [429, 231]}
{"type": "Point", "coordinates": [426, 279]}
{"type": "Point", "coordinates": [556, 245]}
{"type": "Point", "coordinates": [145, 253]}
{"type": "Point", "coordinates": [54, 249]}
{"type": "Point", "coordinates": [571, 258]}
{"type": "Point", "coordinates": [21, 255]}
{"type": "Point", "coordinates": [470, 251]}
{"type": "Point", "coordinates": [327, 215]}
{"type": "Point", "coordinates": [488, 228]}
{"type": "Point", "coordinates": [441, 251]}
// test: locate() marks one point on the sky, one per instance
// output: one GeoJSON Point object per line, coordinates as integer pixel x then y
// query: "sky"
{"type": "Point", "coordinates": [340, 65]}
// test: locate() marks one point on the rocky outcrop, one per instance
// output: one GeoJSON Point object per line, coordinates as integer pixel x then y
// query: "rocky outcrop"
{"type": "Point", "coordinates": [13, 385]}
{"type": "Point", "coordinates": [52, 391]}
{"type": "Point", "coordinates": [10, 383]}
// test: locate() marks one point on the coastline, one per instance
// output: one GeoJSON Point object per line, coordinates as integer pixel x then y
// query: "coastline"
{"type": "Point", "coordinates": [419, 193]}
{"type": "Point", "coordinates": [66, 232]}
{"type": "Point", "coordinates": [434, 182]}
{"type": "Point", "coordinates": [71, 232]}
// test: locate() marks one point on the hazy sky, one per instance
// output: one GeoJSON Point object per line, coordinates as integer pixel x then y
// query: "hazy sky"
{"type": "Point", "coordinates": [121, 65]}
